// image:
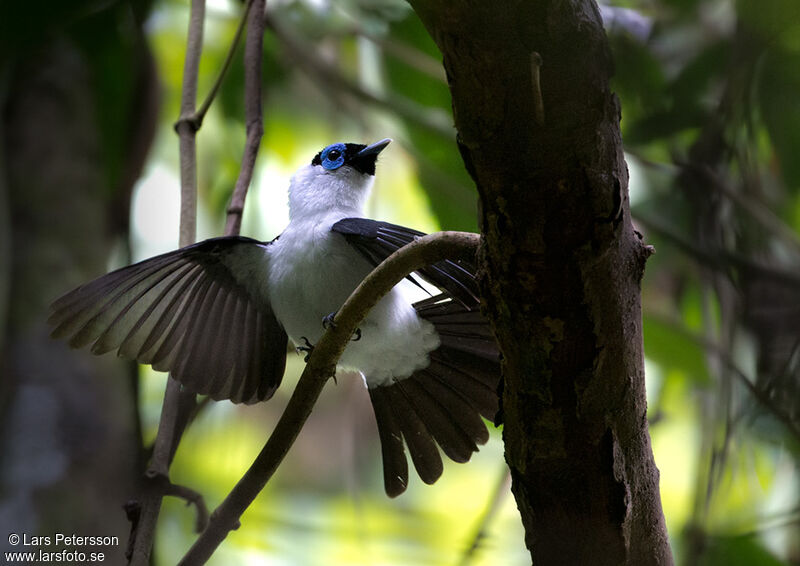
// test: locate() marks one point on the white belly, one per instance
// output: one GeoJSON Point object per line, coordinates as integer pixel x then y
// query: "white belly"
{"type": "Point", "coordinates": [312, 271]}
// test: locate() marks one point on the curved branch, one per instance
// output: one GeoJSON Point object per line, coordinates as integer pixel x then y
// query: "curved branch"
{"type": "Point", "coordinates": [191, 497]}
{"type": "Point", "coordinates": [320, 367]}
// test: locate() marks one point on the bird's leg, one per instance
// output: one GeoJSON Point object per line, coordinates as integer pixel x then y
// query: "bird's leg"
{"type": "Point", "coordinates": [308, 347]}
{"type": "Point", "coordinates": [327, 322]}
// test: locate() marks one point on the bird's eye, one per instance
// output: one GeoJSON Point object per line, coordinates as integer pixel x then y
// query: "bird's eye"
{"type": "Point", "coordinates": [333, 156]}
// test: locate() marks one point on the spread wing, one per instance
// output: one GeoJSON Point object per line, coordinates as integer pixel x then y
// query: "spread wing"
{"type": "Point", "coordinates": [187, 313]}
{"type": "Point", "coordinates": [376, 241]}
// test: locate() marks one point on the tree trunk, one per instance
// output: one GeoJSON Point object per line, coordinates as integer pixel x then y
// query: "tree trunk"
{"type": "Point", "coordinates": [561, 271]}
{"type": "Point", "coordinates": [69, 443]}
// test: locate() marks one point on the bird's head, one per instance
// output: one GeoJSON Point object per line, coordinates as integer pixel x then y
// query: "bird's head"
{"type": "Point", "coordinates": [338, 178]}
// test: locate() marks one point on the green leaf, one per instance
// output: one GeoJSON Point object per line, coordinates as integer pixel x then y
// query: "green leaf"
{"type": "Point", "coordinates": [682, 104]}
{"type": "Point", "coordinates": [778, 88]}
{"type": "Point", "coordinates": [451, 191]}
{"type": "Point", "coordinates": [738, 551]}
{"type": "Point", "coordinates": [673, 349]}
{"type": "Point", "coordinates": [773, 22]}
{"type": "Point", "coordinates": [638, 75]}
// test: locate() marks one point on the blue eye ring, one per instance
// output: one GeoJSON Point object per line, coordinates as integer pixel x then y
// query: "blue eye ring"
{"type": "Point", "coordinates": [332, 157]}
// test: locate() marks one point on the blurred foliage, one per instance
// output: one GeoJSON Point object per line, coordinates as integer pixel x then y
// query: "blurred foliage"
{"type": "Point", "coordinates": [711, 123]}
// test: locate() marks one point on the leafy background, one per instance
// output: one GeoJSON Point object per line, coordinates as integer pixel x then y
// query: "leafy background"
{"type": "Point", "coordinates": [711, 122]}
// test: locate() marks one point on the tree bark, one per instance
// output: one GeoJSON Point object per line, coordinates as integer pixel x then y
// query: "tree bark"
{"type": "Point", "coordinates": [561, 271]}
{"type": "Point", "coordinates": [69, 442]}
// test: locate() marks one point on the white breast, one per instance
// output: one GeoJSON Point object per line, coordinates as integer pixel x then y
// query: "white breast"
{"type": "Point", "coordinates": [312, 271]}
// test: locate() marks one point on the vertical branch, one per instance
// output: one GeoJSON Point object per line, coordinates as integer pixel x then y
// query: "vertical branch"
{"type": "Point", "coordinates": [5, 224]}
{"type": "Point", "coordinates": [187, 126]}
{"type": "Point", "coordinates": [177, 404]}
{"type": "Point", "coordinates": [252, 114]}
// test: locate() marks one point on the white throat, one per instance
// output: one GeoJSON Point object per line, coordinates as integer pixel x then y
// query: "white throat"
{"type": "Point", "coordinates": [315, 191]}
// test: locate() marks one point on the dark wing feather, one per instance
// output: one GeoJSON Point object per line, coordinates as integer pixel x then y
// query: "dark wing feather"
{"type": "Point", "coordinates": [376, 241]}
{"type": "Point", "coordinates": [442, 404]}
{"type": "Point", "coordinates": [184, 312]}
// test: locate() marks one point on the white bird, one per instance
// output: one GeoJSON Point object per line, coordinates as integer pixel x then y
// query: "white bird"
{"type": "Point", "coordinates": [216, 315]}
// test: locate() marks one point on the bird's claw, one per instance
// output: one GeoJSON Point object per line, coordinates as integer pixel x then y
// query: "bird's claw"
{"type": "Point", "coordinates": [308, 347]}
{"type": "Point", "coordinates": [327, 322]}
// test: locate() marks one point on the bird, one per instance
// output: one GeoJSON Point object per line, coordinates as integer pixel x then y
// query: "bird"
{"type": "Point", "coordinates": [218, 315]}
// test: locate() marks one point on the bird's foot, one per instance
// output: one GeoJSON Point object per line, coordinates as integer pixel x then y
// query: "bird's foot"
{"type": "Point", "coordinates": [327, 322]}
{"type": "Point", "coordinates": [308, 347]}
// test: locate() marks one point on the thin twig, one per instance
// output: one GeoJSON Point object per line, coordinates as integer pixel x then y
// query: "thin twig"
{"type": "Point", "coordinates": [252, 114]}
{"type": "Point", "coordinates": [432, 119]}
{"type": "Point", "coordinates": [255, 130]}
{"type": "Point", "coordinates": [320, 367]}
{"type": "Point", "coordinates": [191, 497]}
{"type": "Point", "coordinates": [187, 129]}
{"type": "Point", "coordinates": [756, 209]}
{"type": "Point", "coordinates": [193, 118]}
{"type": "Point", "coordinates": [499, 494]}
{"type": "Point", "coordinates": [200, 114]}
{"type": "Point", "coordinates": [178, 404]}
{"type": "Point", "coordinates": [411, 56]}
{"type": "Point", "coordinates": [718, 259]}
{"type": "Point", "coordinates": [714, 349]}
{"type": "Point", "coordinates": [5, 218]}
{"type": "Point", "coordinates": [536, 84]}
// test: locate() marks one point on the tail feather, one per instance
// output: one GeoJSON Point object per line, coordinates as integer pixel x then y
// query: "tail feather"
{"type": "Point", "coordinates": [463, 413]}
{"type": "Point", "coordinates": [454, 442]}
{"type": "Point", "coordinates": [477, 367]}
{"type": "Point", "coordinates": [421, 445]}
{"type": "Point", "coordinates": [481, 397]}
{"type": "Point", "coordinates": [476, 346]}
{"type": "Point", "coordinates": [395, 466]}
{"type": "Point", "coordinates": [443, 403]}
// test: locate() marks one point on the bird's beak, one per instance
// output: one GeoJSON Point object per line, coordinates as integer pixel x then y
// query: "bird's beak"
{"type": "Point", "coordinates": [375, 148]}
